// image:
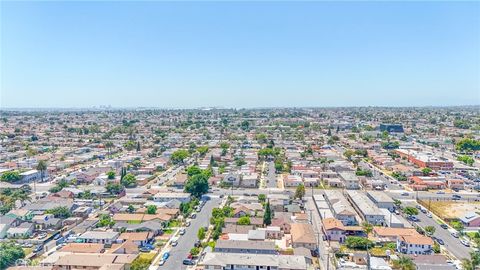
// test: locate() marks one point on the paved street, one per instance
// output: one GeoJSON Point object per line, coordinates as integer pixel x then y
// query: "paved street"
{"type": "Point", "coordinates": [186, 241]}
{"type": "Point", "coordinates": [271, 176]}
{"type": "Point", "coordinates": [452, 244]}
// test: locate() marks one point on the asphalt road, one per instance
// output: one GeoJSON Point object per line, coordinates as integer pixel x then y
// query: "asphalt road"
{"type": "Point", "coordinates": [271, 176]}
{"type": "Point", "coordinates": [186, 241]}
{"type": "Point", "coordinates": [452, 244]}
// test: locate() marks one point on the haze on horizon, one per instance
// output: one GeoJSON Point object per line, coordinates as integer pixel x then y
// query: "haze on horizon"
{"type": "Point", "coordinates": [238, 54]}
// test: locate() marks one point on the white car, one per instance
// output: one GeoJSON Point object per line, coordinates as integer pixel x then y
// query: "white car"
{"type": "Point", "coordinates": [465, 242]}
{"type": "Point", "coordinates": [429, 214]}
{"type": "Point", "coordinates": [161, 262]}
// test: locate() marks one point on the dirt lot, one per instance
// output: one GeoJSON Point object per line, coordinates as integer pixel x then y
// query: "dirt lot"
{"type": "Point", "coordinates": [451, 210]}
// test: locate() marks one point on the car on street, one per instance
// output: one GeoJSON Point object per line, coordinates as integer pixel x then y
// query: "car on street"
{"type": "Point", "coordinates": [444, 226]}
{"type": "Point", "coordinates": [187, 224]}
{"type": "Point", "coordinates": [165, 256]}
{"type": "Point", "coordinates": [182, 231]}
{"type": "Point", "coordinates": [465, 242]}
{"type": "Point", "coordinates": [197, 243]}
{"type": "Point", "coordinates": [161, 262]}
{"type": "Point", "coordinates": [405, 194]}
{"type": "Point", "coordinates": [188, 262]}
{"type": "Point", "coordinates": [440, 192]}
{"type": "Point", "coordinates": [193, 215]}
{"type": "Point", "coordinates": [439, 241]}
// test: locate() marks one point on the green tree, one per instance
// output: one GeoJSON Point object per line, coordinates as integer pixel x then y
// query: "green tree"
{"type": "Point", "coordinates": [367, 227]}
{"type": "Point", "coordinates": [397, 203]}
{"type": "Point", "coordinates": [202, 150]}
{"type": "Point", "coordinates": [114, 188]}
{"type": "Point", "coordinates": [42, 168]}
{"type": "Point", "coordinates": [300, 191]}
{"type": "Point", "coordinates": [245, 220]}
{"type": "Point", "coordinates": [426, 171]}
{"type": "Point", "coordinates": [267, 215]}
{"type": "Point", "coordinates": [201, 233]}
{"type": "Point", "coordinates": [262, 198]}
{"type": "Point", "coordinates": [193, 170]}
{"type": "Point", "coordinates": [9, 253]}
{"type": "Point", "coordinates": [129, 180]}
{"type": "Point", "coordinates": [404, 263]}
{"type": "Point", "coordinates": [152, 209]}
{"type": "Point", "coordinates": [60, 212]}
{"type": "Point", "coordinates": [130, 209]}
{"type": "Point", "coordinates": [430, 230]}
{"type": "Point", "coordinates": [468, 145]}
{"type": "Point", "coordinates": [10, 176]}
{"type": "Point", "coordinates": [138, 147]}
{"type": "Point", "coordinates": [179, 156]}
{"type": "Point", "coordinates": [197, 185]}
{"type": "Point", "coordinates": [129, 145]}
{"type": "Point", "coordinates": [105, 221]}
{"type": "Point", "coordinates": [411, 211]}
{"type": "Point", "coordinates": [468, 160]}
{"type": "Point", "coordinates": [111, 175]}
{"type": "Point", "coordinates": [356, 242]}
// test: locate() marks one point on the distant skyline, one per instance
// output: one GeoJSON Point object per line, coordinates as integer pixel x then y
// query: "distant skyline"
{"type": "Point", "coordinates": [65, 54]}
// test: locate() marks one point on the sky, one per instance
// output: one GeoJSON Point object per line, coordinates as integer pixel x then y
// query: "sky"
{"type": "Point", "coordinates": [69, 54]}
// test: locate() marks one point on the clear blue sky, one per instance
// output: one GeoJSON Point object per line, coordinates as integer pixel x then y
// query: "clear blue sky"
{"type": "Point", "coordinates": [234, 54]}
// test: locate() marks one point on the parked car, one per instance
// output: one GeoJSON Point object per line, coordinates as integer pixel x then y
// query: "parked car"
{"type": "Point", "coordinates": [161, 262]}
{"type": "Point", "coordinates": [465, 242]}
{"type": "Point", "coordinates": [165, 256]}
{"type": "Point", "coordinates": [444, 226]}
{"type": "Point", "coordinates": [440, 241]}
{"type": "Point", "coordinates": [182, 231]}
{"type": "Point", "coordinates": [193, 215]}
{"type": "Point", "coordinates": [405, 194]}
{"type": "Point", "coordinates": [440, 192]}
{"type": "Point", "coordinates": [197, 243]}
{"type": "Point", "coordinates": [187, 224]}
{"type": "Point", "coordinates": [188, 262]}
{"type": "Point", "coordinates": [429, 214]}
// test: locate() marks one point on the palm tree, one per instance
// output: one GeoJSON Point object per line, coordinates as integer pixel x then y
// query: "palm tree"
{"type": "Point", "coordinates": [20, 196]}
{"type": "Point", "coordinates": [42, 167]}
{"type": "Point", "coordinates": [404, 263]}
{"type": "Point", "coordinates": [367, 227]}
{"type": "Point", "coordinates": [109, 146]}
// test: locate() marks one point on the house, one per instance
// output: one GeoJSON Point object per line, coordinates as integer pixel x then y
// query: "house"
{"type": "Point", "coordinates": [31, 176]}
{"type": "Point", "coordinates": [249, 180]}
{"type": "Point", "coordinates": [414, 244]}
{"type": "Point", "coordinates": [272, 232]}
{"type": "Point", "coordinates": [350, 180]}
{"type": "Point", "coordinates": [334, 230]}
{"type": "Point", "coordinates": [232, 179]}
{"type": "Point", "coordinates": [257, 235]}
{"type": "Point", "coordinates": [455, 184]}
{"type": "Point", "coordinates": [366, 208]}
{"type": "Point", "coordinates": [46, 221]}
{"type": "Point", "coordinates": [292, 180]}
{"type": "Point", "coordinates": [282, 221]}
{"type": "Point", "coordinates": [235, 261]}
{"type": "Point", "coordinates": [94, 261]}
{"type": "Point", "coordinates": [387, 234]}
{"type": "Point", "coordinates": [303, 236]}
{"type": "Point", "coordinates": [470, 219]}
{"type": "Point", "coordinates": [83, 248]}
{"type": "Point", "coordinates": [180, 180]}
{"type": "Point", "coordinates": [381, 199]}
{"type": "Point", "coordinates": [340, 207]}
{"type": "Point", "coordinates": [20, 214]}
{"type": "Point", "coordinates": [168, 196]}
{"type": "Point", "coordinates": [139, 238]}
{"type": "Point", "coordinates": [102, 237]}
{"type": "Point", "coordinates": [152, 226]}
{"type": "Point", "coordinates": [5, 223]}
{"type": "Point", "coordinates": [247, 247]}
{"type": "Point", "coordinates": [24, 230]}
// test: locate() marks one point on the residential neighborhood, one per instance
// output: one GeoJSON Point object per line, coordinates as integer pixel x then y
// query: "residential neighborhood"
{"type": "Point", "coordinates": [250, 189]}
